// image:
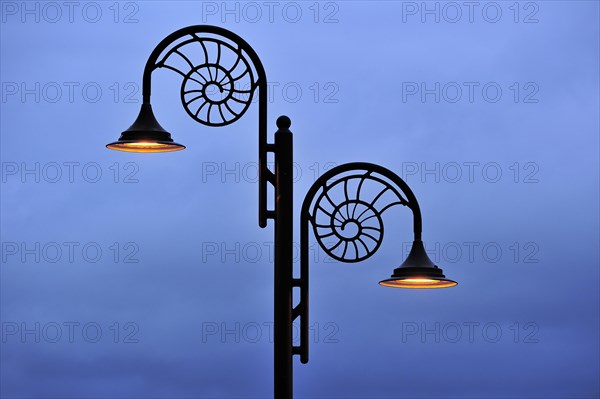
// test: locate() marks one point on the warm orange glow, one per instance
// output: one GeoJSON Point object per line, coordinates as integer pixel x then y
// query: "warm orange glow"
{"type": "Point", "coordinates": [418, 282]}
{"type": "Point", "coordinates": [145, 146]}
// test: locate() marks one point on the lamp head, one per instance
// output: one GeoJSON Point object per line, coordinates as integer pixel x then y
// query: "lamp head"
{"type": "Point", "coordinates": [418, 271]}
{"type": "Point", "coordinates": [145, 135]}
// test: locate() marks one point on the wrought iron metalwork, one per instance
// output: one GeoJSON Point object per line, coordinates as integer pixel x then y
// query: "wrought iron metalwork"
{"type": "Point", "coordinates": [218, 89]}
{"type": "Point", "coordinates": [363, 189]}
{"type": "Point", "coordinates": [221, 73]}
{"type": "Point", "coordinates": [352, 231]}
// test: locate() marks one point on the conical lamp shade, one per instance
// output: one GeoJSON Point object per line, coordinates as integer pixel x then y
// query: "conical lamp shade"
{"type": "Point", "coordinates": [145, 135]}
{"type": "Point", "coordinates": [418, 271]}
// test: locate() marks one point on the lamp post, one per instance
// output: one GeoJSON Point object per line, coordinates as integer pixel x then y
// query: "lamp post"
{"type": "Point", "coordinates": [221, 74]}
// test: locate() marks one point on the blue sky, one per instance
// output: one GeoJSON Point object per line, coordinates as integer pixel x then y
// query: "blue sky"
{"type": "Point", "coordinates": [146, 276]}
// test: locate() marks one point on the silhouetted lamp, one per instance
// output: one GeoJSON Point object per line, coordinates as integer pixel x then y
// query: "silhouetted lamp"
{"type": "Point", "coordinates": [418, 271]}
{"type": "Point", "coordinates": [366, 191]}
{"type": "Point", "coordinates": [145, 135]}
{"type": "Point", "coordinates": [338, 199]}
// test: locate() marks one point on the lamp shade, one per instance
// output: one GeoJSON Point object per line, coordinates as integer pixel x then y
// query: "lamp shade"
{"type": "Point", "coordinates": [145, 135]}
{"type": "Point", "coordinates": [418, 271]}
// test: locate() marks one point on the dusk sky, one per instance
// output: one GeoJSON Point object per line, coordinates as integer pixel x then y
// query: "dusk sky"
{"type": "Point", "coordinates": [127, 275]}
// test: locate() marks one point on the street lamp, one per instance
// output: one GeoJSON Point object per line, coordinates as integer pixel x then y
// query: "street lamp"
{"type": "Point", "coordinates": [221, 73]}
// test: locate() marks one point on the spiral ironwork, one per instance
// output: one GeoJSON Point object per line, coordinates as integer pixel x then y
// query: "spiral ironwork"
{"type": "Point", "coordinates": [345, 207]}
{"type": "Point", "coordinates": [218, 80]}
{"type": "Point", "coordinates": [221, 75]}
{"type": "Point", "coordinates": [346, 216]}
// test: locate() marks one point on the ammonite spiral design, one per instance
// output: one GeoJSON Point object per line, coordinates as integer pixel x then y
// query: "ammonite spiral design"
{"type": "Point", "coordinates": [219, 84]}
{"type": "Point", "coordinates": [352, 230]}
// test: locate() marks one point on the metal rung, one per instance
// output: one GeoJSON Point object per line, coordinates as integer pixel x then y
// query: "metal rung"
{"type": "Point", "coordinates": [270, 176]}
{"type": "Point", "coordinates": [297, 311]}
{"type": "Point", "coordinates": [297, 282]}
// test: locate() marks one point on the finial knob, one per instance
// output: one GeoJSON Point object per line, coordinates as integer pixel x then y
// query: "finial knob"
{"type": "Point", "coordinates": [283, 122]}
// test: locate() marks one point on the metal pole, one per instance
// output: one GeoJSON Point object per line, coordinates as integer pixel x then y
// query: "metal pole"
{"type": "Point", "coordinates": [283, 372]}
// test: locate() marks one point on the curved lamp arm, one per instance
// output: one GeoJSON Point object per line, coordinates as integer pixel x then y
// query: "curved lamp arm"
{"type": "Point", "coordinates": [220, 78]}
{"type": "Point", "coordinates": [352, 230]}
